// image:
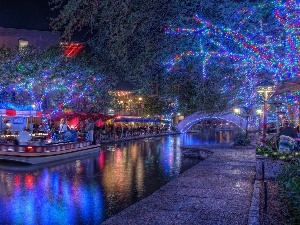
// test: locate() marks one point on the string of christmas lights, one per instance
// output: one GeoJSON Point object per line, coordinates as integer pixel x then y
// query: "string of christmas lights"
{"type": "Point", "coordinates": [270, 51]}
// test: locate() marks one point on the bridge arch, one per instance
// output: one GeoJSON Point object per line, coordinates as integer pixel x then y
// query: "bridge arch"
{"type": "Point", "coordinates": [194, 118]}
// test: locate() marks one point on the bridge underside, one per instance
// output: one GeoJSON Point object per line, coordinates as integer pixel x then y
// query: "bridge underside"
{"type": "Point", "coordinates": [194, 118]}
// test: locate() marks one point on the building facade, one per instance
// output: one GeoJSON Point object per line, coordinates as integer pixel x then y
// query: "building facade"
{"type": "Point", "coordinates": [17, 38]}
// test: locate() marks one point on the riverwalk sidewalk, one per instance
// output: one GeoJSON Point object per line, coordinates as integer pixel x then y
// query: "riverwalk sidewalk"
{"type": "Point", "coordinates": [218, 190]}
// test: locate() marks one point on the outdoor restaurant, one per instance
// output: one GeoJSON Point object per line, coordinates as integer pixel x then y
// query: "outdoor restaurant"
{"type": "Point", "coordinates": [280, 112]}
{"type": "Point", "coordinates": [40, 125]}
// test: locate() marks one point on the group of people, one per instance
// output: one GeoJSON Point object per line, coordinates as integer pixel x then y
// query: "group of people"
{"type": "Point", "coordinates": [286, 138]}
{"type": "Point", "coordinates": [288, 130]}
{"type": "Point", "coordinates": [119, 131]}
{"type": "Point", "coordinates": [24, 136]}
{"type": "Point", "coordinates": [89, 127]}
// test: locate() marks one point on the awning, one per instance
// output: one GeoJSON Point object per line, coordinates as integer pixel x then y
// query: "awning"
{"type": "Point", "coordinates": [126, 119]}
{"type": "Point", "coordinates": [165, 121]}
{"type": "Point", "coordinates": [25, 113]}
{"type": "Point", "coordinates": [81, 115]}
{"type": "Point", "coordinates": [134, 119]}
{"type": "Point", "coordinates": [292, 84]}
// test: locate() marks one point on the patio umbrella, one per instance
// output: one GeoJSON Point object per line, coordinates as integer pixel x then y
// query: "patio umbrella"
{"type": "Point", "coordinates": [292, 84]}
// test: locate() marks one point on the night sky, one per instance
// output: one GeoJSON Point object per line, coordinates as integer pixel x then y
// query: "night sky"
{"type": "Point", "coordinates": [25, 14]}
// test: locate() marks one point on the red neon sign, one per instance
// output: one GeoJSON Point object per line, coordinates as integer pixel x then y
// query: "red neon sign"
{"type": "Point", "coordinates": [72, 49]}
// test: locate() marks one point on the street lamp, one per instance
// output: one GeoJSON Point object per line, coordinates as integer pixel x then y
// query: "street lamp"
{"type": "Point", "coordinates": [277, 104]}
{"type": "Point", "coordinates": [259, 113]}
{"type": "Point", "coordinates": [32, 109]}
{"type": "Point", "coordinates": [248, 110]}
{"type": "Point", "coordinates": [31, 118]}
{"type": "Point", "coordinates": [266, 89]}
{"type": "Point", "coordinates": [237, 110]}
{"type": "Point", "coordinates": [119, 107]}
{"type": "Point", "coordinates": [140, 107]}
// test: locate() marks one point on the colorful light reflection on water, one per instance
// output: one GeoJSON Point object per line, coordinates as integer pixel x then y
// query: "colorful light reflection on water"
{"type": "Point", "coordinates": [89, 190]}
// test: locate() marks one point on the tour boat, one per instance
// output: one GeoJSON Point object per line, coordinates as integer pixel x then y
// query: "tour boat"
{"type": "Point", "coordinates": [40, 152]}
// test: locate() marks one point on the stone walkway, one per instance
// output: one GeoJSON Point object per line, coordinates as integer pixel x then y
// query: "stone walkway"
{"type": "Point", "coordinates": [216, 191]}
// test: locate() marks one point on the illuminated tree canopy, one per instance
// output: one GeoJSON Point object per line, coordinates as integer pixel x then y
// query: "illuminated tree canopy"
{"type": "Point", "coordinates": [237, 44]}
{"type": "Point", "coordinates": [262, 42]}
{"type": "Point", "coordinates": [48, 80]}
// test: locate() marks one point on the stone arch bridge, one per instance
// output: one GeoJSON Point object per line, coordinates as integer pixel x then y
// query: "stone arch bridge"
{"type": "Point", "coordinates": [194, 118]}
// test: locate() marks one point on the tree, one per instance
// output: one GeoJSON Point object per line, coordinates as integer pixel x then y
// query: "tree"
{"type": "Point", "coordinates": [260, 38]}
{"type": "Point", "coordinates": [127, 36]}
{"type": "Point", "coordinates": [153, 106]}
{"type": "Point", "coordinates": [133, 39]}
{"type": "Point", "coordinates": [204, 94]}
{"type": "Point", "coordinates": [48, 80]}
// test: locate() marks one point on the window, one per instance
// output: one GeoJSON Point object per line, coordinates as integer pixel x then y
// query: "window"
{"type": "Point", "coordinates": [23, 43]}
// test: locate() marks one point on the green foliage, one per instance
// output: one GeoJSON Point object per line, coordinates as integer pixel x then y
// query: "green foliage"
{"type": "Point", "coordinates": [270, 152]}
{"type": "Point", "coordinates": [126, 35]}
{"type": "Point", "coordinates": [289, 182]}
{"type": "Point", "coordinates": [153, 106]}
{"type": "Point", "coordinates": [129, 37]}
{"type": "Point", "coordinates": [240, 139]}
{"type": "Point", "coordinates": [205, 95]}
{"type": "Point", "coordinates": [129, 41]}
{"type": "Point", "coordinates": [50, 79]}
{"type": "Point", "coordinates": [7, 64]}
{"type": "Point", "coordinates": [267, 151]}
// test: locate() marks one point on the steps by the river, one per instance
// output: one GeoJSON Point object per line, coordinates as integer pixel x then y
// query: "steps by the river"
{"type": "Point", "coordinates": [194, 151]}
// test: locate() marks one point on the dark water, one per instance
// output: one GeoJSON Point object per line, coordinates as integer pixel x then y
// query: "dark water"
{"type": "Point", "coordinates": [89, 190]}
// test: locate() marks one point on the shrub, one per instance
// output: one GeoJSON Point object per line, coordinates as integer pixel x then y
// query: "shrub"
{"type": "Point", "coordinates": [240, 139]}
{"type": "Point", "coordinates": [289, 183]}
{"type": "Point", "coordinates": [269, 151]}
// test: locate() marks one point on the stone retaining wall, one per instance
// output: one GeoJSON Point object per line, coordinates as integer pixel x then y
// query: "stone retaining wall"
{"type": "Point", "coordinates": [270, 166]}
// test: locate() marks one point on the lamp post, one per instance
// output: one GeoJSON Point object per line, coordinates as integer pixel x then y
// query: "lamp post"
{"type": "Point", "coordinates": [1, 124]}
{"type": "Point", "coordinates": [248, 110]}
{"type": "Point", "coordinates": [31, 119]}
{"type": "Point", "coordinates": [237, 111]}
{"type": "Point", "coordinates": [130, 106]}
{"type": "Point", "coordinates": [259, 113]}
{"type": "Point", "coordinates": [277, 104]}
{"type": "Point", "coordinates": [266, 89]}
{"type": "Point", "coordinates": [120, 107]}
{"type": "Point", "coordinates": [140, 107]}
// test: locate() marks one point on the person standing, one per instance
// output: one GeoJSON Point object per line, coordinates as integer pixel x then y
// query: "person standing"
{"type": "Point", "coordinates": [63, 127]}
{"type": "Point", "coordinates": [24, 137]}
{"type": "Point", "coordinates": [90, 129]}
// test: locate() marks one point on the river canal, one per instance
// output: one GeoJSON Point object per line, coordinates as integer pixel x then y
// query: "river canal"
{"type": "Point", "coordinates": [90, 190]}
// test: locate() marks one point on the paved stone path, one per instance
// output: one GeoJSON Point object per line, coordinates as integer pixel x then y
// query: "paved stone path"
{"type": "Point", "coordinates": [216, 191]}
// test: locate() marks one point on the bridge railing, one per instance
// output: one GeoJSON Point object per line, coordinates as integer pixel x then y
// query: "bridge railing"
{"type": "Point", "coordinates": [194, 118]}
